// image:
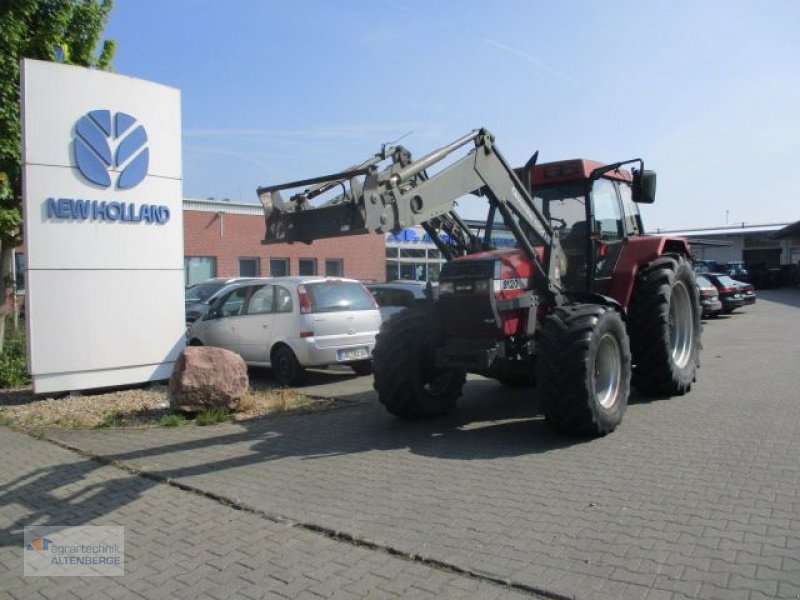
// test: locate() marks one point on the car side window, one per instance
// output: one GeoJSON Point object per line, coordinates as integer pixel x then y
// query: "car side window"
{"type": "Point", "coordinates": [260, 300]}
{"type": "Point", "coordinates": [232, 304]}
{"type": "Point", "coordinates": [283, 300]}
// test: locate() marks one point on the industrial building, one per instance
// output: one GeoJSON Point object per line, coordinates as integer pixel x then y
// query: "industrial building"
{"type": "Point", "coordinates": [223, 239]}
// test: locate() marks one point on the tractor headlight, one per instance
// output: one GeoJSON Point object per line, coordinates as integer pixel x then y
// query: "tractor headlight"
{"type": "Point", "coordinates": [446, 287]}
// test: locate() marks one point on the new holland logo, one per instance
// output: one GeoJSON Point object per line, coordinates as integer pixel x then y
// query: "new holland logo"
{"type": "Point", "coordinates": [106, 143]}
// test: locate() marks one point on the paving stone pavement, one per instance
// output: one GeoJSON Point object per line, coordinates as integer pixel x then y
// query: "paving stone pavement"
{"type": "Point", "coordinates": [179, 544]}
{"type": "Point", "coordinates": [692, 497]}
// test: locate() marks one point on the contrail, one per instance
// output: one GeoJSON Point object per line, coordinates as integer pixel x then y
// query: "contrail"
{"type": "Point", "coordinates": [531, 59]}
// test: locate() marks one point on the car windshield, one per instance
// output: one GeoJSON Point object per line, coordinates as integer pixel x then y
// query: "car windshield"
{"type": "Point", "coordinates": [334, 296]}
{"type": "Point", "coordinates": [725, 280]}
{"type": "Point", "coordinates": [202, 291]}
{"type": "Point", "coordinates": [703, 282]}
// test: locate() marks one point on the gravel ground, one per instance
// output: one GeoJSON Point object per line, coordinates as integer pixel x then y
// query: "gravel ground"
{"type": "Point", "coordinates": [132, 407]}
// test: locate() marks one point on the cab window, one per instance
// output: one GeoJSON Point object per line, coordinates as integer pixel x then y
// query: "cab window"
{"type": "Point", "coordinates": [630, 209]}
{"type": "Point", "coordinates": [607, 216]}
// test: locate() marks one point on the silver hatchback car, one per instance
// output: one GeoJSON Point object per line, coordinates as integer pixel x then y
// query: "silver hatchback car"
{"type": "Point", "coordinates": [289, 323]}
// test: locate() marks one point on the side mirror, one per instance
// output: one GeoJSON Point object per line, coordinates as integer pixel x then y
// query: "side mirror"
{"type": "Point", "coordinates": [213, 313]}
{"type": "Point", "coordinates": [644, 186]}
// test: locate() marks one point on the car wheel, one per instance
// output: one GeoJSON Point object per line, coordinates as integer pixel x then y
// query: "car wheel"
{"type": "Point", "coordinates": [286, 368]}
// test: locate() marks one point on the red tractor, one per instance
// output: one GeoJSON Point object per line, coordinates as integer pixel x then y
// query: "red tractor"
{"type": "Point", "coordinates": [583, 305]}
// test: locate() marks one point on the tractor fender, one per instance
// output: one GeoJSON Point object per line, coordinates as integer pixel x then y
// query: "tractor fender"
{"type": "Point", "coordinates": [592, 298]}
{"type": "Point", "coordinates": [638, 253]}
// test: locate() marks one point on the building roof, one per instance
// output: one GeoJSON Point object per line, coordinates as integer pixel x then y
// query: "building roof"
{"type": "Point", "coordinates": [790, 231]}
{"type": "Point", "coordinates": [225, 206]}
{"type": "Point", "coordinates": [725, 230]}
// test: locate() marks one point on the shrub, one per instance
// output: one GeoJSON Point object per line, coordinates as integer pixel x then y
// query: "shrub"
{"type": "Point", "coordinates": [13, 368]}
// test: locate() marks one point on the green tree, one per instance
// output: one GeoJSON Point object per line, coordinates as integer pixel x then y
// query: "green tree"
{"type": "Point", "coordinates": [66, 31]}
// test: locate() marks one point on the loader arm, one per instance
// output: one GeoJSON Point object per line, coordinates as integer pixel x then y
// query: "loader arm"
{"type": "Point", "coordinates": [403, 195]}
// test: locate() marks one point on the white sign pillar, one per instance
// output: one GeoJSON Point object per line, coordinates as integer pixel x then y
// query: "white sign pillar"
{"type": "Point", "coordinates": [102, 210]}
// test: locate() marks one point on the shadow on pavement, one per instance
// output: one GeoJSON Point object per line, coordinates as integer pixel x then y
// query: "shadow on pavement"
{"type": "Point", "coordinates": [788, 296]}
{"type": "Point", "coordinates": [45, 493]}
{"type": "Point", "coordinates": [488, 424]}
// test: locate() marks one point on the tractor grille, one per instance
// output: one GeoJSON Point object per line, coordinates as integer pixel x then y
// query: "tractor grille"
{"type": "Point", "coordinates": [467, 269]}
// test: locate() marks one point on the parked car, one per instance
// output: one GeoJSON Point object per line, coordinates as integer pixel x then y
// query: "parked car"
{"type": "Point", "coordinates": [706, 266]}
{"type": "Point", "coordinates": [396, 296]}
{"type": "Point", "coordinates": [289, 323]}
{"type": "Point", "coordinates": [729, 293]}
{"type": "Point", "coordinates": [747, 290]}
{"type": "Point", "coordinates": [710, 303]}
{"type": "Point", "coordinates": [737, 270]}
{"type": "Point", "coordinates": [200, 296]}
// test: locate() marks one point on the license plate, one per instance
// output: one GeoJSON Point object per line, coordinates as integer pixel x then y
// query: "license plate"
{"type": "Point", "coordinates": [352, 354]}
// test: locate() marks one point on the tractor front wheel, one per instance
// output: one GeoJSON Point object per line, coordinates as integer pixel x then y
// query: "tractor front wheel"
{"type": "Point", "coordinates": [584, 369]}
{"type": "Point", "coordinates": [406, 379]}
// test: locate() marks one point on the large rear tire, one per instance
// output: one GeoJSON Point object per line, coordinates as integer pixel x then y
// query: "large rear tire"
{"type": "Point", "coordinates": [408, 384]}
{"type": "Point", "coordinates": [583, 365]}
{"type": "Point", "coordinates": [665, 329]}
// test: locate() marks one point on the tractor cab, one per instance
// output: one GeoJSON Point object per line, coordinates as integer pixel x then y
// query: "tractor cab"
{"type": "Point", "coordinates": [593, 209]}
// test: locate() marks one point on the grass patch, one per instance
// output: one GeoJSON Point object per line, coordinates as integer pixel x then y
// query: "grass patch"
{"type": "Point", "coordinates": [6, 420]}
{"type": "Point", "coordinates": [172, 420]}
{"type": "Point", "coordinates": [212, 416]}
{"type": "Point", "coordinates": [110, 419]}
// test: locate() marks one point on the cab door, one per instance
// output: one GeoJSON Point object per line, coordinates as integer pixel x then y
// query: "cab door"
{"type": "Point", "coordinates": [608, 233]}
{"type": "Point", "coordinates": [255, 326]}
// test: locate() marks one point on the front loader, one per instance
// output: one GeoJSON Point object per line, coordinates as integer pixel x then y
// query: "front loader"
{"type": "Point", "coordinates": [582, 305]}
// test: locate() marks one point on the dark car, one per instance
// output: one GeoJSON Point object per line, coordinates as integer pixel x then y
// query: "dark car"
{"type": "Point", "coordinates": [738, 271]}
{"type": "Point", "coordinates": [395, 296]}
{"type": "Point", "coordinates": [200, 296]}
{"type": "Point", "coordinates": [747, 290]}
{"type": "Point", "coordinates": [709, 297]}
{"type": "Point", "coordinates": [706, 266]}
{"type": "Point", "coordinates": [729, 293]}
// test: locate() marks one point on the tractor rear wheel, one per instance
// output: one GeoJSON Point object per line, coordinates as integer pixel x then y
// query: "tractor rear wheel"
{"type": "Point", "coordinates": [665, 329]}
{"type": "Point", "coordinates": [408, 384]}
{"type": "Point", "coordinates": [583, 362]}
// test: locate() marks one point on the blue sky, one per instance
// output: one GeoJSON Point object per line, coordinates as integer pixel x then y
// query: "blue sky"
{"type": "Point", "coordinates": [708, 93]}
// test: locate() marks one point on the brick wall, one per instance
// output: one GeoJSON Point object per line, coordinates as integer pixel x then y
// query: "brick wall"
{"type": "Point", "coordinates": [231, 236]}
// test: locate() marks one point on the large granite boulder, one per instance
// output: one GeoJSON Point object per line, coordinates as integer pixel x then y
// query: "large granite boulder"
{"type": "Point", "coordinates": [205, 377]}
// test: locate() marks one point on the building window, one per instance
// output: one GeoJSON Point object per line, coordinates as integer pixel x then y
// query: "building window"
{"type": "Point", "coordinates": [334, 267]}
{"type": "Point", "coordinates": [392, 271]}
{"type": "Point", "coordinates": [249, 267]}
{"type": "Point", "coordinates": [19, 271]}
{"type": "Point", "coordinates": [278, 267]}
{"type": "Point", "coordinates": [308, 266]}
{"type": "Point", "coordinates": [412, 252]}
{"type": "Point", "coordinates": [199, 268]}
